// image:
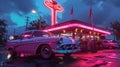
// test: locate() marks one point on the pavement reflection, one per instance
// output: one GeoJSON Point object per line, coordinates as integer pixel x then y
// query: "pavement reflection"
{"type": "Point", "coordinates": [104, 58]}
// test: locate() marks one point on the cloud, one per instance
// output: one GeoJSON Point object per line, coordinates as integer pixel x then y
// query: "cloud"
{"type": "Point", "coordinates": [101, 13]}
{"type": "Point", "coordinates": [91, 2]}
{"type": "Point", "coordinates": [102, 10]}
{"type": "Point", "coordinates": [5, 7]}
{"type": "Point", "coordinates": [9, 21]}
{"type": "Point", "coordinates": [24, 6]}
{"type": "Point", "coordinates": [116, 3]}
{"type": "Point", "coordinates": [21, 7]}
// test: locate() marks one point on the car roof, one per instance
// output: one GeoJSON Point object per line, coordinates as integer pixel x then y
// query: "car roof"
{"type": "Point", "coordinates": [34, 31]}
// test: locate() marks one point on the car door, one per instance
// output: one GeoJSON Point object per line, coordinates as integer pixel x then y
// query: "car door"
{"type": "Point", "coordinates": [26, 43]}
{"type": "Point", "coordinates": [13, 43]}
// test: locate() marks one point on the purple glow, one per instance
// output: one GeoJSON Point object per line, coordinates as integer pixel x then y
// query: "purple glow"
{"type": "Point", "coordinates": [78, 25]}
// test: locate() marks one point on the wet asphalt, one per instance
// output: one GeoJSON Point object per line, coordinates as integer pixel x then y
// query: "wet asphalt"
{"type": "Point", "coordinates": [102, 58]}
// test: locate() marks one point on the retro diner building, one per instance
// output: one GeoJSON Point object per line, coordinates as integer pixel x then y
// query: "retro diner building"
{"type": "Point", "coordinates": [73, 28]}
{"type": "Point", "coordinates": [86, 33]}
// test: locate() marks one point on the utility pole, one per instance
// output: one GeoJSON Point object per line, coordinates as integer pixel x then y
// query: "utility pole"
{"type": "Point", "coordinates": [14, 31]}
{"type": "Point", "coordinates": [27, 19]}
{"type": "Point", "coordinates": [40, 23]}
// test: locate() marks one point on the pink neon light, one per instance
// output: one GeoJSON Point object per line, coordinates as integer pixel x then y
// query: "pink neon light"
{"type": "Point", "coordinates": [54, 17]}
{"type": "Point", "coordinates": [54, 7]}
{"type": "Point", "coordinates": [78, 25]}
{"type": "Point", "coordinates": [21, 55]}
{"type": "Point", "coordinates": [25, 36]}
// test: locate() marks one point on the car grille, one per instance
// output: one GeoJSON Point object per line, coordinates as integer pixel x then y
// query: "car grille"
{"type": "Point", "coordinates": [68, 47]}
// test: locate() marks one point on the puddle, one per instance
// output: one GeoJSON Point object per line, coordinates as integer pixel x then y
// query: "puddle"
{"type": "Point", "coordinates": [103, 63]}
{"type": "Point", "coordinates": [100, 56]}
{"type": "Point", "coordinates": [84, 59]}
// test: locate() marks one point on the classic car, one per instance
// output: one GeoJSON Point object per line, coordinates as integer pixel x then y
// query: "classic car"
{"type": "Point", "coordinates": [109, 44]}
{"type": "Point", "coordinates": [41, 43]}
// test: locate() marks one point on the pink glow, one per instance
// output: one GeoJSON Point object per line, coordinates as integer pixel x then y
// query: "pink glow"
{"type": "Point", "coordinates": [54, 7]}
{"type": "Point", "coordinates": [73, 41]}
{"type": "Point", "coordinates": [78, 25]}
{"type": "Point", "coordinates": [21, 55]}
{"type": "Point", "coordinates": [25, 36]}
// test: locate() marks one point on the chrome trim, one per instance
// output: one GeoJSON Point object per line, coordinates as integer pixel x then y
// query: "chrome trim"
{"type": "Point", "coordinates": [65, 51]}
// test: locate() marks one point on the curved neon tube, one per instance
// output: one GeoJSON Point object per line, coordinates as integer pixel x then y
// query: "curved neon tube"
{"type": "Point", "coordinates": [54, 9]}
{"type": "Point", "coordinates": [78, 25]}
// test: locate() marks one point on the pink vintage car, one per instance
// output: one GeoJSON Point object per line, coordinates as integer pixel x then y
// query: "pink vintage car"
{"type": "Point", "coordinates": [41, 43]}
{"type": "Point", "coordinates": [109, 44]}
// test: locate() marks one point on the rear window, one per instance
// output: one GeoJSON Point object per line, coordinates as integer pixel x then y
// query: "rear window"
{"type": "Point", "coordinates": [41, 34]}
{"type": "Point", "coordinates": [26, 35]}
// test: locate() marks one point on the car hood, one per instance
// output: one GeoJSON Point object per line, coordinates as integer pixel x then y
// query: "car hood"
{"type": "Point", "coordinates": [65, 40]}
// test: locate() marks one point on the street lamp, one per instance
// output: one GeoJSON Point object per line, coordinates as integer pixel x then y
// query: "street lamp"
{"type": "Point", "coordinates": [34, 11]}
{"type": "Point", "coordinates": [40, 18]}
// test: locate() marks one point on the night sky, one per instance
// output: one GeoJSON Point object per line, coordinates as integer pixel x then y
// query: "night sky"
{"type": "Point", "coordinates": [104, 11]}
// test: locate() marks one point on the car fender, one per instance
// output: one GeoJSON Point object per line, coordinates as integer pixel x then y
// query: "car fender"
{"type": "Point", "coordinates": [40, 45]}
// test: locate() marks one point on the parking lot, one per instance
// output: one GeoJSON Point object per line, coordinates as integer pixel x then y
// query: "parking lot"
{"type": "Point", "coordinates": [103, 58]}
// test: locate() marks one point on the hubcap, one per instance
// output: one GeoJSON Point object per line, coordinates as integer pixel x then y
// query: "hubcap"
{"type": "Point", "coordinates": [46, 52]}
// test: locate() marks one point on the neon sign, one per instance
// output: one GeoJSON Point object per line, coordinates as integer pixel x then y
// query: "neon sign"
{"type": "Point", "coordinates": [54, 7]}
{"type": "Point", "coordinates": [78, 25]}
